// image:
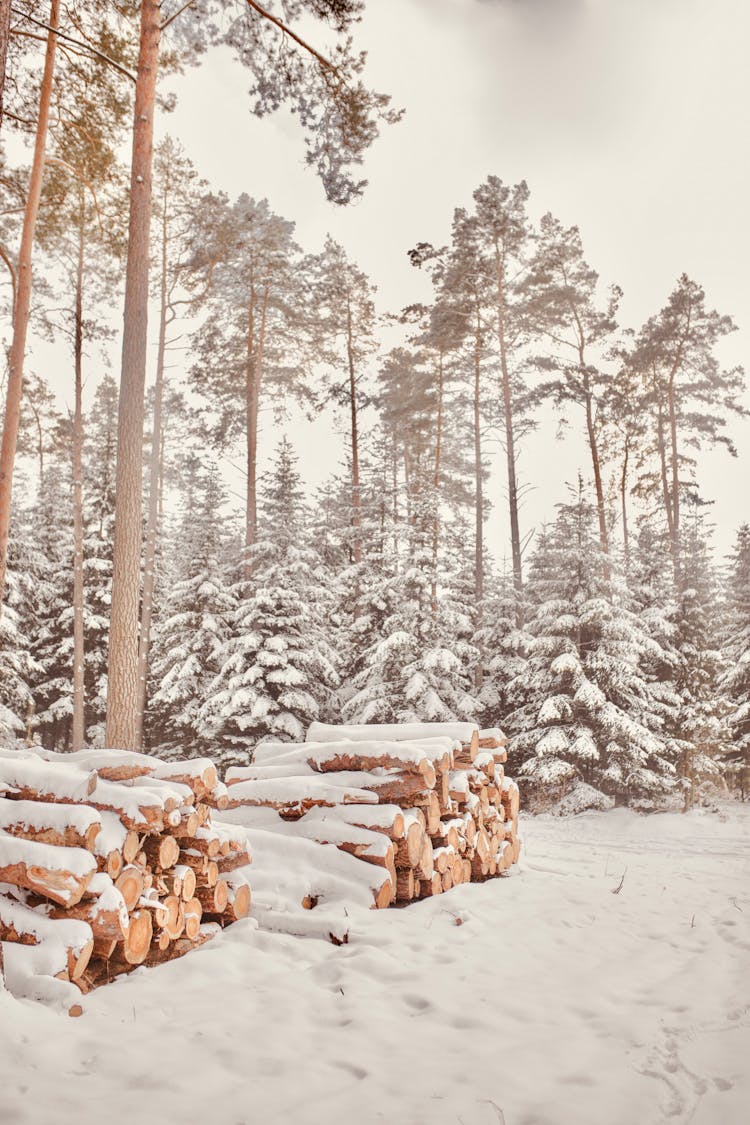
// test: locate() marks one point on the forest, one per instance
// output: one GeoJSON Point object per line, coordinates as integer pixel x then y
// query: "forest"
{"type": "Point", "coordinates": [170, 582]}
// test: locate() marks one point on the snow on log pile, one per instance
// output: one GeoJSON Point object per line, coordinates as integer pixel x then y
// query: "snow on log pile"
{"type": "Point", "coordinates": [108, 860]}
{"type": "Point", "coordinates": [412, 810]}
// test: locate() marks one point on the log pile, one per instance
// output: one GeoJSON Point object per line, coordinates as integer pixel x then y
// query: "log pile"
{"type": "Point", "coordinates": [109, 860]}
{"type": "Point", "coordinates": [423, 807]}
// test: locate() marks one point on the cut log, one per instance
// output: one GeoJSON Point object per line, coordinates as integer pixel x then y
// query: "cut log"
{"type": "Point", "coordinates": [162, 852]}
{"type": "Point", "coordinates": [59, 874]}
{"type": "Point", "coordinates": [136, 945]}
{"type": "Point", "coordinates": [19, 923]}
{"type": "Point", "coordinates": [425, 868]}
{"type": "Point", "coordinates": [103, 909]}
{"type": "Point", "coordinates": [430, 887]}
{"type": "Point", "coordinates": [214, 899]}
{"type": "Point", "coordinates": [193, 912]}
{"type": "Point", "coordinates": [131, 885]}
{"type": "Point", "coordinates": [388, 819]}
{"type": "Point", "coordinates": [31, 779]}
{"type": "Point", "coordinates": [238, 900]}
{"type": "Point", "coordinates": [231, 862]}
{"type": "Point", "coordinates": [139, 809]}
{"type": "Point", "coordinates": [409, 849]}
{"type": "Point", "coordinates": [189, 822]}
{"type": "Point", "coordinates": [68, 826]}
{"type": "Point", "coordinates": [405, 885]}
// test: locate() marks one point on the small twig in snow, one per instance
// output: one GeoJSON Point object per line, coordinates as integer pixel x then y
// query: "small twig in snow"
{"type": "Point", "coordinates": [618, 888]}
{"type": "Point", "coordinates": [736, 907]}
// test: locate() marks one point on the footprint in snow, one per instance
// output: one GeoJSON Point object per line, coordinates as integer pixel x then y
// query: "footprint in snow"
{"type": "Point", "coordinates": [418, 1003]}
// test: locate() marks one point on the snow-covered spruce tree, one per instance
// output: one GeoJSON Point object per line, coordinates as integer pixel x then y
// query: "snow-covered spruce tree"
{"type": "Point", "coordinates": [502, 645]}
{"type": "Point", "coordinates": [587, 726]}
{"type": "Point", "coordinates": [278, 668]}
{"type": "Point", "coordinates": [701, 725]}
{"type": "Point", "coordinates": [52, 635]}
{"type": "Point", "coordinates": [735, 682]}
{"type": "Point", "coordinates": [192, 625]}
{"type": "Point", "coordinates": [98, 530]}
{"type": "Point", "coordinates": [16, 700]}
{"type": "Point", "coordinates": [420, 667]}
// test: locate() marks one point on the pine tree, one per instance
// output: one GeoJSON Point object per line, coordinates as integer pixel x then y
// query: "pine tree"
{"type": "Point", "coordinates": [735, 683]}
{"type": "Point", "coordinates": [277, 669]}
{"type": "Point", "coordinates": [585, 712]}
{"type": "Point", "coordinates": [193, 624]}
{"type": "Point", "coordinates": [701, 726]}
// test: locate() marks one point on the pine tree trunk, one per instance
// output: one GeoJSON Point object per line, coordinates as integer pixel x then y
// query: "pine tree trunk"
{"type": "Point", "coordinates": [436, 486]}
{"type": "Point", "coordinates": [155, 472]}
{"type": "Point", "coordinates": [23, 298]}
{"type": "Point", "coordinates": [624, 502]}
{"type": "Point", "coordinates": [4, 36]}
{"type": "Point", "coordinates": [254, 372]}
{"type": "Point", "coordinates": [79, 725]}
{"type": "Point", "coordinates": [123, 692]}
{"type": "Point", "coordinates": [675, 474]}
{"type": "Point", "coordinates": [596, 463]}
{"type": "Point", "coordinates": [510, 444]}
{"type": "Point", "coordinates": [666, 494]}
{"type": "Point", "coordinates": [478, 482]}
{"type": "Point", "coordinates": [356, 515]}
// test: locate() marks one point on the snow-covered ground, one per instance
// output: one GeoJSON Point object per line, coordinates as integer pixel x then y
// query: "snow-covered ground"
{"type": "Point", "coordinates": [539, 999]}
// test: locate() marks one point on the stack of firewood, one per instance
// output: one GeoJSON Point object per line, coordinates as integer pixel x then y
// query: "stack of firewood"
{"type": "Point", "coordinates": [424, 806]}
{"type": "Point", "coordinates": [109, 860]}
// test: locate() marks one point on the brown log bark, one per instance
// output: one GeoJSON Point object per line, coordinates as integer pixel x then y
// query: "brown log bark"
{"type": "Point", "coordinates": [78, 723]}
{"type": "Point", "coordinates": [356, 496]}
{"type": "Point", "coordinates": [30, 823]}
{"type": "Point", "coordinates": [214, 899]}
{"type": "Point", "coordinates": [123, 688]}
{"type": "Point", "coordinates": [162, 851]}
{"type": "Point", "coordinates": [22, 307]}
{"type": "Point", "coordinates": [155, 459]}
{"type": "Point", "coordinates": [409, 849]}
{"type": "Point", "coordinates": [63, 887]}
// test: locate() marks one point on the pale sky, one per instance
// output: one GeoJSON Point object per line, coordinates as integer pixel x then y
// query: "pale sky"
{"type": "Point", "coordinates": [626, 117]}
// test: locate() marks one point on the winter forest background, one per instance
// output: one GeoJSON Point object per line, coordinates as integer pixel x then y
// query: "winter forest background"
{"type": "Point", "coordinates": [608, 635]}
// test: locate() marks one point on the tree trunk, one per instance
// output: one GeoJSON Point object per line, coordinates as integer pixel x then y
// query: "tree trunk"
{"type": "Point", "coordinates": [356, 500]}
{"type": "Point", "coordinates": [596, 463]}
{"type": "Point", "coordinates": [436, 486]}
{"type": "Point", "coordinates": [510, 446]}
{"type": "Point", "coordinates": [78, 728]}
{"type": "Point", "coordinates": [666, 494]}
{"type": "Point", "coordinates": [4, 36]}
{"type": "Point", "coordinates": [478, 482]}
{"type": "Point", "coordinates": [675, 482]}
{"type": "Point", "coordinates": [624, 501]}
{"type": "Point", "coordinates": [252, 407]}
{"type": "Point", "coordinates": [155, 471]}
{"type": "Point", "coordinates": [23, 298]}
{"type": "Point", "coordinates": [123, 693]}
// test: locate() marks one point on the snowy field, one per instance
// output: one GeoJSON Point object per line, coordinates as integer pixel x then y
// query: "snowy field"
{"type": "Point", "coordinates": [539, 999]}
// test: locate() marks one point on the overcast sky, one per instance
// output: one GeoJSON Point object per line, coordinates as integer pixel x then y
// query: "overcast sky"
{"type": "Point", "coordinates": [627, 117]}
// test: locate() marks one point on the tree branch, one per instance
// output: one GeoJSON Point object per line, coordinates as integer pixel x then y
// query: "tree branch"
{"type": "Point", "coordinates": [77, 43]}
{"type": "Point", "coordinates": [170, 19]}
{"type": "Point", "coordinates": [324, 62]}
{"type": "Point", "coordinates": [5, 258]}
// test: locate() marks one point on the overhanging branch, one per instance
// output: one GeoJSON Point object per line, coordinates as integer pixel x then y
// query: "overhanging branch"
{"type": "Point", "coordinates": [77, 43]}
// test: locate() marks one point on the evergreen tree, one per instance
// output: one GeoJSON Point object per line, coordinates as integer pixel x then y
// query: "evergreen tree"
{"type": "Point", "coordinates": [192, 625]}
{"type": "Point", "coordinates": [735, 682]}
{"type": "Point", "coordinates": [701, 726]}
{"type": "Point", "coordinates": [586, 712]}
{"type": "Point", "coordinates": [277, 669]}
